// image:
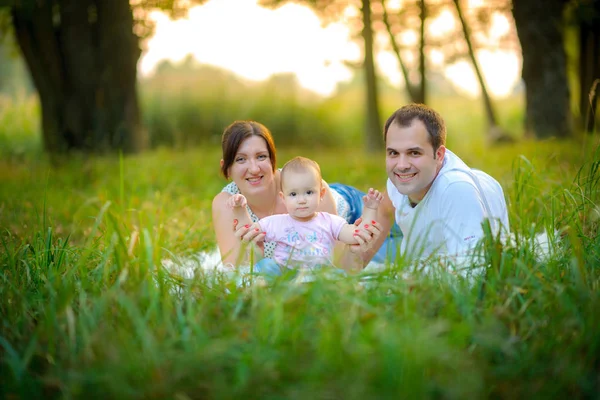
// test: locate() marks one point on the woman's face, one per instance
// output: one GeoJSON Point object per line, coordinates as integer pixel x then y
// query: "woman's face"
{"type": "Point", "coordinates": [252, 170]}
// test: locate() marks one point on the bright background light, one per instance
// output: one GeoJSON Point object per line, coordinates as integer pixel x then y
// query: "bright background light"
{"type": "Point", "coordinates": [255, 43]}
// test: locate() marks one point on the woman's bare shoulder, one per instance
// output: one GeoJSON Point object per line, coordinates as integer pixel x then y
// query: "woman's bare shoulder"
{"type": "Point", "coordinates": [220, 200]}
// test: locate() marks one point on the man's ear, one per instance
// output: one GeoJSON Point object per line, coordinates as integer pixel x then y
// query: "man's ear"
{"type": "Point", "coordinates": [440, 152]}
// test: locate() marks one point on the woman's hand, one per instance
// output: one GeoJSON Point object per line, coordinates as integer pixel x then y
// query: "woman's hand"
{"type": "Point", "coordinates": [249, 233]}
{"type": "Point", "coordinates": [367, 235]}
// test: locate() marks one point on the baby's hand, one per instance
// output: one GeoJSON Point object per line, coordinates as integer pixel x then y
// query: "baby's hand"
{"type": "Point", "coordinates": [237, 200]}
{"type": "Point", "coordinates": [372, 199]}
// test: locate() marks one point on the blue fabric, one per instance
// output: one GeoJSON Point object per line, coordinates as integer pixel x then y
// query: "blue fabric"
{"type": "Point", "coordinates": [391, 247]}
{"type": "Point", "coordinates": [269, 268]}
{"type": "Point", "coordinates": [353, 197]}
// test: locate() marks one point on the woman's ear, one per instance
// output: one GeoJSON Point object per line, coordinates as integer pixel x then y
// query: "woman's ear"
{"type": "Point", "coordinates": [221, 163]}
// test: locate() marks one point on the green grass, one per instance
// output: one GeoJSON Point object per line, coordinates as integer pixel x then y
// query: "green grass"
{"type": "Point", "coordinates": [19, 126]}
{"type": "Point", "coordinates": [87, 311]}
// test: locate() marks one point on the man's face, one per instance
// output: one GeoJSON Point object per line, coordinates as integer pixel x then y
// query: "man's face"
{"type": "Point", "coordinates": [409, 160]}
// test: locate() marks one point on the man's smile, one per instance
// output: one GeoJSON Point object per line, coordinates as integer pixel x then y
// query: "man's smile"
{"type": "Point", "coordinates": [405, 177]}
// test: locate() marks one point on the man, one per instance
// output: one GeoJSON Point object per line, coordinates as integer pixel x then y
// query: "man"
{"type": "Point", "coordinates": [439, 202]}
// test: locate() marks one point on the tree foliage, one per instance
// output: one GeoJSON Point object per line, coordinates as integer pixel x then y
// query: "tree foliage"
{"type": "Point", "coordinates": [82, 57]}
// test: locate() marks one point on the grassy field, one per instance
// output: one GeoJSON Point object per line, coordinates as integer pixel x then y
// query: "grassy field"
{"type": "Point", "coordinates": [87, 311]}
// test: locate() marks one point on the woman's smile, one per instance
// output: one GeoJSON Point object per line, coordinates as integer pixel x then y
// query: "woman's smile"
{"type": "Point", "coordinates": [255, 180]}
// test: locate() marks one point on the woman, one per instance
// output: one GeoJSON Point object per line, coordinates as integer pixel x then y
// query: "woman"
{"type": "Point", "coordinates": [249, 160]}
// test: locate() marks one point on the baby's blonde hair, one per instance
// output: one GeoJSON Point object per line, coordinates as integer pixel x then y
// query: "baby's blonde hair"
{"type": "Point", "coordinates": [301, 164]}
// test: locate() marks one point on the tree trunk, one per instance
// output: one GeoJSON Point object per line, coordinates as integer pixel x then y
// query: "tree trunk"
{"type": "Point", "coordinates": [540, 28]}
{"type": "Point", "coordinates": [374, 139]}
{"type": "Point", "coordinates": [422, 81]}
{"type": "Point", "coordinates": [412, 91]}
{"type": "Point", "coordinates": [489, 109]}
{"type": "Point", "coordinates": [494, 132]}
{"type": "Point", "coordinates": [589, 69]}
{"type": "Point", "coordinates": [82, 56]}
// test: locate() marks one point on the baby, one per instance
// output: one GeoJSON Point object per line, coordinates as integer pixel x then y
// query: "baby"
{"type": "Point", "coordinates": [304, 237]}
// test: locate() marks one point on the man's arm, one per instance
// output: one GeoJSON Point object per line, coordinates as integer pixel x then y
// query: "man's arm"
{"type": "Point", "coordinates": [356, 257]}
{"type": "Point", "coordinates": [384, 220]}
{"type": "Point", "coordinates": [344, 257]}
{"type": "Point", "coordinates": [371, 202]}
{"type": "Point", "coordinates": [463, 213]}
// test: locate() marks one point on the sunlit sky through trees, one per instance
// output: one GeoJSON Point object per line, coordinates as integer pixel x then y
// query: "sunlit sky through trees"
{"type": "Point", "coordinates": [255, 42]}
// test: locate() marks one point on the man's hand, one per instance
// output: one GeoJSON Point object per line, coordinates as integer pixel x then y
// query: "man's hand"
{"type": "Point", "coordinates": [369, 230]}
{"type": "Point", "coordinates": [366, 235]}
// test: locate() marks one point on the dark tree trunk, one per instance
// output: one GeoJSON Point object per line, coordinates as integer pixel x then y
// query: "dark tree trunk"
{"type": "Point", "coordinates": [82, 56]}
{"type": "Point", "coordinates": [374, 132]}
{"type": "Point", "coordinates": [540, 28]}
{"type": "Point", "coordinates": [589, 68]}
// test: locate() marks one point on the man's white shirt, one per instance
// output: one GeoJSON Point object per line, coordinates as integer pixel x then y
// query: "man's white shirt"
{"type": "Point", "coordinates": [448, 221]}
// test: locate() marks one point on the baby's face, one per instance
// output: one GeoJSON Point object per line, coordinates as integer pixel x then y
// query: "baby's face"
{"type": "Point", "coordinates": [302, 193]}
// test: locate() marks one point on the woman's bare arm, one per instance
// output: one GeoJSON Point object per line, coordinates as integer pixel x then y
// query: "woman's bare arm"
{"type": "Point", "coordinates": [223, 217]}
